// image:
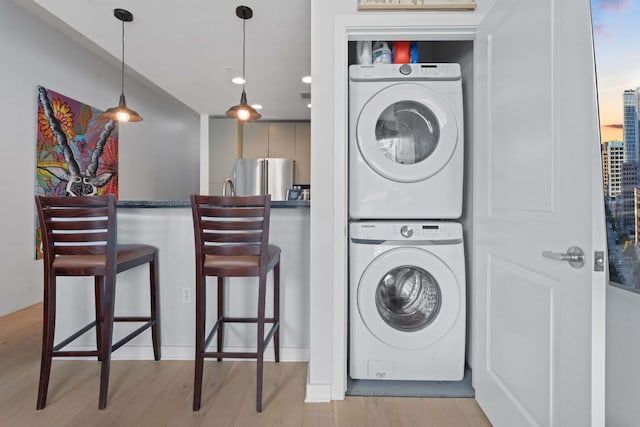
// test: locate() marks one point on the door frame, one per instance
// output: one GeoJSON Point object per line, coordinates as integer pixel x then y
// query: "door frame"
{"type": "Point", "coordinates": [420, 27]}
{"type": "Point", "coordinates": [386, 26]}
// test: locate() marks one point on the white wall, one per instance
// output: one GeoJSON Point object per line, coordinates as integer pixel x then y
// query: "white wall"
{"type": "Point", "coordinates": [167, 140]}
{"type": "Point", "coordinates": [623, 348]}
{"type": "Point", "coordinates": [328, 186]}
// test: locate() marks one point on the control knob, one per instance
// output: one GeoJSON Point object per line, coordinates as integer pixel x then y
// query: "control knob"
{"type": "Point", "coordinates": [405, 69]}
{"type": "Point", "coordinates": [406, 231]}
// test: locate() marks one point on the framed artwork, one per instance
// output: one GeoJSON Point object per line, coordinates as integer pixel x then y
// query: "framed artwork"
{"type": "Point", "coordinates": [416, 4]}
{"type": "Point", "coordinates": [76, 150]}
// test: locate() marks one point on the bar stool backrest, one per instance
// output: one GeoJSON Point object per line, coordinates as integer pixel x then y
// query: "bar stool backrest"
{"type": "Point", "coordinates": [78, 226]}
{"type": "Point", "coordinates": [236, 226]}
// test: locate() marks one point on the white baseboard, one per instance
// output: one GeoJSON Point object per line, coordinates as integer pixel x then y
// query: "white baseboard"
{"type": "Point", "coordinates": [132, 352]}
{"type": "Point", "coordinates": [318, 393]}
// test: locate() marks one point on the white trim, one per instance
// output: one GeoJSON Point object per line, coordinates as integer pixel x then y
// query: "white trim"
{"type": "Point", "coordinates": [340, 219]}
{"type": "Point", "coordinates": [599, 282]}
{"type": "Point", "coordinates": [204, 154]}
{"type": "Point", "coordinates": [357, 27]}
{"type": "Point", "coordinates": [318, 393]}
{"type": "Point", "coordinates": [132, 352]}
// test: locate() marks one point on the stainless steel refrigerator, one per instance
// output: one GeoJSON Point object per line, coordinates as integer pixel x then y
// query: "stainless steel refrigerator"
{"type": "Point", "coordinates": [263, 176]}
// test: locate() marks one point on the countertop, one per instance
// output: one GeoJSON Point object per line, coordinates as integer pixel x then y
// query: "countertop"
{"type": "Point", "coordinates": [187, 203]}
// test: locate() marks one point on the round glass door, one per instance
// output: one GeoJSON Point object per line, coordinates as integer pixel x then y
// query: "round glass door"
{"type": "Point", "coordinates": [407, 132]}
{"type": "Point", "coordinates": [408, 298]}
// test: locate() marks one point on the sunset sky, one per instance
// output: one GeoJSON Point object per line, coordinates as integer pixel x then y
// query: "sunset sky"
{"type": "Point", "coordinates": [616, 25]}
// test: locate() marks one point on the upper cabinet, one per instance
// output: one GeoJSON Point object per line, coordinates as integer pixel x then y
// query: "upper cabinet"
{"type": "Point", "coordinates": [282, 140]}
{"type": "Point", "coordinates": [303, 153]}
{"type": "Point", "coordinates": [255, 138]}
{"type": "Point", "coordinates": [290, 140]}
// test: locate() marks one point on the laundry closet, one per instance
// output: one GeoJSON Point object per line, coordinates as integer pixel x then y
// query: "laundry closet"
{"type": "Point", "coordinates": [407, 274]}
{"type": "Point", "coordinates": [532, 186]}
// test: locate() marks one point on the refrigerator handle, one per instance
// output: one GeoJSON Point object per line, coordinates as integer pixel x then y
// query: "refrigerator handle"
{"type": "Point", "coordinates": [263, 176]}
{"type": "Point", "coordinates": [266, 177]}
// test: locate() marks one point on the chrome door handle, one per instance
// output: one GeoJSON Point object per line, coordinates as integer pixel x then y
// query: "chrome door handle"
{"type": "Point", "coordinates": [574, 255]}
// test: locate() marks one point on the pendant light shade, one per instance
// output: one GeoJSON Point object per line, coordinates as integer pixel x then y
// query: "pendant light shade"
{"type": "Point", "coordinates": [243, 111]}
{"type": "Point", "coordinates": [122, 113]}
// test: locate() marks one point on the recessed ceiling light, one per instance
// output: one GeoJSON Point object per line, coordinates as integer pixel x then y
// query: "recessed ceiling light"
{"type": "Point", "coordinates": [306, 79]}
{"type": "Point", "coordinates": [309, 105]}
{"type": "Point", "coordinates": [257, 106]}
{"type": "Point", "coordinates": [238, 80]}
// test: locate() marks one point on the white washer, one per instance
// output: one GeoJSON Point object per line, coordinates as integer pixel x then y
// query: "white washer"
{"type": "Point", "coordinates": [406, 301]}
{"type": "Point", "coordinates": [406, 141]}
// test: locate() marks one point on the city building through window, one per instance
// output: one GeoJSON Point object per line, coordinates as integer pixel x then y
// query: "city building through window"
{"type": "Point", "coordinates": [618, 72]}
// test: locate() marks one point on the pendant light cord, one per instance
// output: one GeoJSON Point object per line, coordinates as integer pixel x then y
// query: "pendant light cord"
{"type": "Point", "coordinates": [122, 72]}
{"type": "Point", "coordinates": [244, 39]}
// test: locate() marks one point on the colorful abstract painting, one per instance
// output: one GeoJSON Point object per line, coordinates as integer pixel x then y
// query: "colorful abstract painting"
{"type": "Point", "coordinates": [77, 150]}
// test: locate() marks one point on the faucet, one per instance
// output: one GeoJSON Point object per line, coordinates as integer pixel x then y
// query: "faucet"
{"type": "Point", "coordinates": [229, 182]}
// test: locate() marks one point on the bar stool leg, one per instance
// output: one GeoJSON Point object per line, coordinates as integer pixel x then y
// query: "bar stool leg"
{"type": "Point", "coordinates": [107, 336]}
{"type": "Point", "coordinates": [276, 310]}
{"type": "Point", "coordinates": [220, 314]}
{"type": "Point", "coordinates": [155, 307]}
{"type": "Point", "coordinates": [98, 298]}
{"type": "Point", "coordinates": [199, 357]}
{"type": "Point", "coordinates": [260, 356]}
{"type": "Point", "coordinates": [47, 339]}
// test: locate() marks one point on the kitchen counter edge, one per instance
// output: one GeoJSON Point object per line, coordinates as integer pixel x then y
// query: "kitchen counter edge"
{"type": "Point", "coordinates": [187, 203]}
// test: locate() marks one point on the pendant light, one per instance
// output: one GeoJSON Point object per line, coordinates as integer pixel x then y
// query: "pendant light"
{"type": "Point", "coordinates": [122, 113]}
{"type": "Point", "coordinates": [243, 111]}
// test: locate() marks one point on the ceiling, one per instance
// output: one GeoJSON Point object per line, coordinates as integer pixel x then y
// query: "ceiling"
{"type": "Point", "coordinates": [193, 51]}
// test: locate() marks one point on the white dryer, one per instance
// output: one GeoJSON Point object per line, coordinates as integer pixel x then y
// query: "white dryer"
{"type": "Point", "coordinates": [406, 301]}
{"type": "Point", "coordinates": [406, 141]}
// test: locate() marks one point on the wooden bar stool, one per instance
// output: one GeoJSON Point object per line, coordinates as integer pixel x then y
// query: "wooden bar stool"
{"type": "Point", "coordinates": [232, 240]}
{"type": "Point", "coordinates": [79, 239]}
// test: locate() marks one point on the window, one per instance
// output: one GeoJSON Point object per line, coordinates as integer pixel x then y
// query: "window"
{"type": "Point", "coordinates": [614, 24]}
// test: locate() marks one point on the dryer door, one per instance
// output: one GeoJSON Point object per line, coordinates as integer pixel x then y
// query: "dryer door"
{"type": "Point", "coordinates": [407, 132]}
{"type": "Point", "coordinates": [408, 298]}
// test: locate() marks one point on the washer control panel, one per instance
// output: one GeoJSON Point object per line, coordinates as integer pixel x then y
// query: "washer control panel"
{"type": "Point", "coordinates": [387, 72]}
{"type": "Point", "coordinates": [405, 231]}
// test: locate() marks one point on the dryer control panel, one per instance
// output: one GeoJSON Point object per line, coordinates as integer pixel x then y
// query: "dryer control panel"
{"type": "Point", "coordinates": [405, 230]}
{"type": "Point", "coordinates": [382, 72]}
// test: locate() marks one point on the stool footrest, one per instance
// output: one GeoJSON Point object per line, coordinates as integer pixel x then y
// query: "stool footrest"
{"type": "Point", "coordinates": [207, 341]}
{"type": "Point", "coordinates": [131, 319]}
{"type": "Point", "coordinates": [229, 355]}
{"type": "Point", "coordinates": [85, 353]}
{"type": "Point", "coordinates": [73, 337]}
{"type": "Point", "coordinates": [132, 335]}
{"type": "Point", "coordinates": [246, 319]}
{"type": "Point", "coordinates": [57, 353]}
{"type": "Point", "coordinates": [224, 354]}
{"type": "Point", "coordinates": [270, 333]}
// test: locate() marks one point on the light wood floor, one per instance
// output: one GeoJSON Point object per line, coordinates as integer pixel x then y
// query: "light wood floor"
{"type": "Point", "coordinates": [148, 393]}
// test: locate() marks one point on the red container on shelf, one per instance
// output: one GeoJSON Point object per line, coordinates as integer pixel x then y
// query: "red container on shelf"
{"type": "Point", "coordinates": [401, 52]}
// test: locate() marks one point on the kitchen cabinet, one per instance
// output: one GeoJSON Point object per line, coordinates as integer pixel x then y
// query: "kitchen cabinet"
{"type": "Point", "coordinates": [290, 140]}
{"type": "Point", "coordinates": [223, 137]}
{"type": "Point", "coordinates": [303, 153]}
{"type": "Point", "coordinates": [282, 140]}
{"type": "Point", "coordinates": [255, 140]}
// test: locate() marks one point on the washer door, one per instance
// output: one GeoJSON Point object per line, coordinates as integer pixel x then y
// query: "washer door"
{"type": "Point", "coordinates": [407, 132]}
{"type": "Point", "coordinates": [408, 298]}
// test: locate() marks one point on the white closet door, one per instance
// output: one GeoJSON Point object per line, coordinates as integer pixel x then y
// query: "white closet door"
{"type": "Point", "coordinates": [539, 345]}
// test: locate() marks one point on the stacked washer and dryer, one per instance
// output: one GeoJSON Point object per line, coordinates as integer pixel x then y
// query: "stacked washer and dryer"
{"type": "Point", "coordinates": [407, 291]}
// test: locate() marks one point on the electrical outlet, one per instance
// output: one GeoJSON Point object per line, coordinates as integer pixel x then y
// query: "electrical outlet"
{"type": "Point", "coordinates": [186, 295]}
